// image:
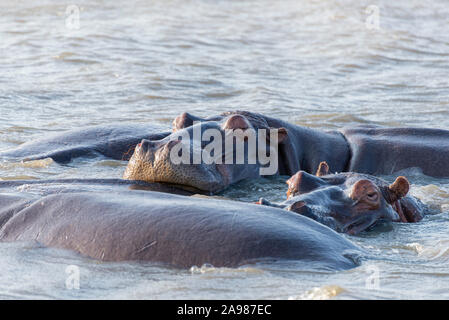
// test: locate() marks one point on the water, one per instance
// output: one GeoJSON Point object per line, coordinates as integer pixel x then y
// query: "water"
{"type": "Point", "coordinates": [314, 63]}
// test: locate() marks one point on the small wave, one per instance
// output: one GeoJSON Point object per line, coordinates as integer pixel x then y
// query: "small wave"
{"type": "Point", "coordinates": [208, 268]}
{"type": "Point", "coordinates": [436, 197]}
{"type": "Point", "coordinates": [417, 247]}
{"type": "Point", "coordinates": [81, 61]}
{"type": "Point", "coordinates": [155, 97]}
{"type": "Point", "coordinates": [224, 94]}
{"type": "Point", "coordinates": [18, 128]}
{"type": "Point", "coordinates": [63, 55]}
{"type": "Point", "coordinates": [20, 177]}
{"type": "Point", "coordinates": [437, 252]}
{"type": "Point", "coordinates": [413, 172]}
{"type": "Point", "coordinates": [32, 164]}
{"type": "Point", "coordinates": [321, 293]}
{"type": "Point", "coordinates": [111, 163]}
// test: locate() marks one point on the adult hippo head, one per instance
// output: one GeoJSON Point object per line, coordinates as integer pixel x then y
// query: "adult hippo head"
{"type": "Point", "coordinates": [210, 155]}
{"type": "Point", "coordinates": [350, 202]}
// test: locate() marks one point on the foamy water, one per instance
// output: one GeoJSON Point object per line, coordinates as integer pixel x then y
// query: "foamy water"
{"type": "Point", "coordinates": [321, 64]}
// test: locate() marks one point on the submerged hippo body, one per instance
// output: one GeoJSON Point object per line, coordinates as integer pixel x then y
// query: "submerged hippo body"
{"type": "Point", "coordinates": [122, 225]}
{"type": "Point", "coordinates": [382, 151]}
{"type": "Point", "coordinates": [350, 202]}
{"type": "Point", "coordinates": [111, 141]}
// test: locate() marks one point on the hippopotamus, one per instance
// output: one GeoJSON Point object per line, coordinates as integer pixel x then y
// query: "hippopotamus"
{"type": "Point", "coordinates": [366, 149]}
{"type": "Point", "coordinates": [350, 202]}
{"type": "Point", "coordinates": [300, 149]}
{"type": "Point", "coordinates": [116, 141]}
{"type": "Point", "coordinates": [370, 150]}
{"type": "Point", "coordinates": [113, 222]}
{"type": "Point", "coordinates": [154, 160]}
{"type": "Point", "coordinates": [383, 151]}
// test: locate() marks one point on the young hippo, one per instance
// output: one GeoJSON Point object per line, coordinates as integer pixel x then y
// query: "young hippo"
{"type": "Point", "coordinates": [209, 156]}
{"type": "Point", "coordinates": [350, 202]}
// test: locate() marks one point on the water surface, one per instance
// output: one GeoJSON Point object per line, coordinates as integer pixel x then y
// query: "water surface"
{"type": "Point", "coordinates": [315, 63]}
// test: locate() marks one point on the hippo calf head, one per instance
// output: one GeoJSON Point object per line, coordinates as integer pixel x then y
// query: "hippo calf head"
{"type": "Point", "coordinates": [206, 155]}
{"type": "Point", "coordinates": [350, 202]}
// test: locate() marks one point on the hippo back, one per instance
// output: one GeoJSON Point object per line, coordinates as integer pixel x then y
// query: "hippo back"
{"type": "Point", "coordinates": [113, 141]}
{"type": "Point", "coordinates": [178, 230]}
{"type": "Point", "coordinates": [377, 150]}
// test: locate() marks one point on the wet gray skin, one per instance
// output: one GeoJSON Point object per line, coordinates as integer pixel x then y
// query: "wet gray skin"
{"type": "Point", "coordinates": [350, 202]}
{"type": "Point", "coordinates": [152, 160]}
{"type": "Point", "coordinates": [116, 141]}
{"type": "Point", "coordinates": [302, 149]}
{"type": "Point", "coordinates": [105, 220]}
{"type": "Point", "coordinates": [366, 149]}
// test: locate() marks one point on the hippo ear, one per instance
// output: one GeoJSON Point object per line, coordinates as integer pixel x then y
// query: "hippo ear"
{"type": "Point", "coordinates": [184, 120]}
{"type": "Point", "coordinates": [323, 169]}
{"type": "Point", "coordinates": [236, 122]}
{"type": "Point", "coordinates": [297, 207]}
{"type": "Point", "coordinates": [399, 188]}
{"type": "Point", "coordinates": [293, 183]}
{"type": "Point", "coordinates": [282, 134]}
{"type": "Point", "coordinates": [292, 179]}
{"type": "Point", "coordinates": [303, 182]}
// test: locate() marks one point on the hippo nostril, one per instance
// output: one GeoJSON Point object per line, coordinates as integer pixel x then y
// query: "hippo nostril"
{"type": "Point", "coordinates": [372, 196]}
{"type": "Point", "coordinates": [144, 146]}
